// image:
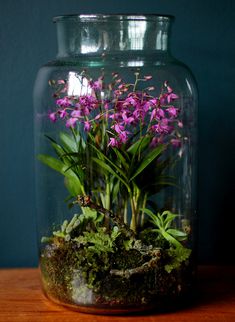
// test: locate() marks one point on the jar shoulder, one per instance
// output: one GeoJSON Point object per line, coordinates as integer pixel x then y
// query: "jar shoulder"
{"type": "Point", "coordinates": [161, 67]}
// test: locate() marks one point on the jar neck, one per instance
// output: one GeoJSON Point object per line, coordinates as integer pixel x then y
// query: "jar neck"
{"type": "Point", "coordinates": [86, 34]}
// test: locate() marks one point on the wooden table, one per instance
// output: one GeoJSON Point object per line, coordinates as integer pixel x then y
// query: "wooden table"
{"type": "Point", "coordinates": [21, 300]}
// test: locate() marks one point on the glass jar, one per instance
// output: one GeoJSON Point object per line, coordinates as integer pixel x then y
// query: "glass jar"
{"type": "Point", "coordinates": [115, 139]}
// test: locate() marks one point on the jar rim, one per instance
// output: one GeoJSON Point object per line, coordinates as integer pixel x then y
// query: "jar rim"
{"type": "Point", "coordinates": [114, 17]}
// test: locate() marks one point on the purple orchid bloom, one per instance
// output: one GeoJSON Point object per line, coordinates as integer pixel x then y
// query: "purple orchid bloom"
{"type": "Point", "coordinates": [63, 102]}
{"type": "Point", "coordinates": [71, 122]}
{"type": "Point", "coordinates": [87, 126]}
{"type": "Point", "coordinates": [62, 114]}
{"type": "Point", "coordinates": [113, 142]}
{"type": "Point", "coordinates": [172, 111]}
{"type": "Point", "coordinates": [52, 117]}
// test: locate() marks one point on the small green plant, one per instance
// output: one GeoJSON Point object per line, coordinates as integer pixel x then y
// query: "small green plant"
{"type": "Point", "coordinates": [99, 241]}
{"type": "Point", "coordinates": [177, 253]}
{"type": "Point", "coordinates": [177, 256]}
{"type": "Point", "coordinates": [163, 222]}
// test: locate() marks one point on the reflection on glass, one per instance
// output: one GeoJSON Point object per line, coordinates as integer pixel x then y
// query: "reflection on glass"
{"type": "Point", "coordinates": [78, 85]}
{"type": "Point", "coordinates": [161, 39]}
{"type": "Point", "coordinates": [89, 41]}
{"type": "Point", "coordinates": [136, 32]}
{"type": "Point", "coordinates": [135, 63]}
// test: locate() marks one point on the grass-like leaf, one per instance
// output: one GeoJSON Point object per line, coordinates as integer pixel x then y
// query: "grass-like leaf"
{"type": "Point", "coordinates": [113, 165]}
{"type": "Point", "coordinates": [72, 182]}
{"type": "Point", "coordinates": [148, 159]}
{"type": "Point", "coordinates": [107, 167]}
{"type": "Point", "coordinates": [139, 145]}
{"type": "Point", "coordinates": [68, 142]}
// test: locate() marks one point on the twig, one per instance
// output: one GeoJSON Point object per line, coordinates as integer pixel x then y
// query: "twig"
{"type": "Point", "coordinates": [85, 201]}
{"type": "Point", "coordinates": [127, 273]}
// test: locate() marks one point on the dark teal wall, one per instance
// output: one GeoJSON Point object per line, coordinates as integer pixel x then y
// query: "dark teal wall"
{"type": "Point", "coordinates": [203, 37]}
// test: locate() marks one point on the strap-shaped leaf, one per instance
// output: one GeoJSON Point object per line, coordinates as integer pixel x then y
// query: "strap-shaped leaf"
{"type": "Point", "coordinates": [68, 142]}
{"type": "Point", "coordinates": [72, 182]}
{"type": "Point", "coordinates": [148, 159]}
{"type": "Point", "coordinates": [170, 239]}
{"type": "Point", "coordinates": [139, 145]}
{"type": "Point", "coordinates": [177, 233]}
{"type": "Point", "coordinates": [155, 220]}
{"type": "Point", "coordinates": [124, 159]}
{"type": "Point", "coordinates": [114, 166]}
{"type": "Point", "coordinates": [105, 166]}
{"type": "Point", "coordinates": [74, 186]}
{"type": "Point", "coordinates": [169, 217]}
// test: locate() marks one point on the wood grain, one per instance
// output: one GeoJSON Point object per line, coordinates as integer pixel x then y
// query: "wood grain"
{"type": "Point", "coordinates": [21, 299]}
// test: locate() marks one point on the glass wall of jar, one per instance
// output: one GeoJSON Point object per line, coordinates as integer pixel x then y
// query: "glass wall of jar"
{"type": "Point", "coordinates": [115, 142]}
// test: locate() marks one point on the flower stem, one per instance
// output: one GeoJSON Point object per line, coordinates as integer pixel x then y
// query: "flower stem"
{"type": "Point", "coordinates": [143, 207]}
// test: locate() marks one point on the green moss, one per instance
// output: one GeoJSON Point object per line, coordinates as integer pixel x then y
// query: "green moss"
{"type": "Point", "coordinates": [78, 260]}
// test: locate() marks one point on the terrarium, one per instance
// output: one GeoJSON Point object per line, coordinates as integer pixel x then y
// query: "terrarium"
{"type": "Point", "coordinates": [115, 146]}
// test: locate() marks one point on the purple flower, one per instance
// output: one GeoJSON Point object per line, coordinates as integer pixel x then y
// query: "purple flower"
{"type": "Point", "coordinates": [172, 111]}
{"type": "Point", "coordinates": [153, 115]}
{"type": "Point", "coordinates": [127, 120]}
{"type": "Point", "coordinates": [148, 104]}
{"type": "Point", "coordinates": [63, 113]}
{"type": "Point", "coordinates": [97, 85]}
{"type": "Point", "coordinates": [114, 116]}
{"type": "Point", "coordinates": [63, 102]}
{"type": "Point", "coordinates": [76, 113]}
{"type": "Point", "coordinates": [71, 122]}
{"type": "Point", "coordinates": [163, 99]}
{"type": "Point", "coordinates": [155, 141]}
{"type": "Point", "coordinates": [139, 114]}
{"type": "Point", "coordinates": [170, 96]}
{"type": "Point", "coordinates": [118, 128]}
{"type": "Point", "coordinates": [86, 110]}
{"type": "Point", "coordinates": [162, 127]}
{"type": "Point", "coordinates": [123, 136]}
{"type": "Point", "coordinates": [176, 143]}
{"type": "Point", "coordinates": [60, 82]}
{"type": "Point", "coordinates": [87, 126]}
{"type": "Point", "coordinates": [157, 114]}
{"type": "Point", "coordinates": [123, 112]}
{"type": "Point", "coordinates": [98, 116]}
{"type": "Point", "coordinates": [130, 101]}
{"type": "Point", "coordinates": [148, 77]}
{"type": "Point", "coordinates": [180, 124]}
{"type": "Point", "coordinates": [52, 117]}
{"type": "Point", "coordinates": [106, 106]}
{"type": "Point", "coordinates": [113, 142]}
{"type": "Point", "coordinates": [117, 92]}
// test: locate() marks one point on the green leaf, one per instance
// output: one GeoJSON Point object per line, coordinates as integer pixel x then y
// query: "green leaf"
{"type": "Point", "coordinates": [177, 233]}
{"type": "Point", "coordinates": [69, 142]}
{"type": "Point", "coordinates": [73, 185]}
{"type": "Point", "coordinates": [148, 159]}
{"type": "Point", "coordinates": [155, 219]}
{"type": "Point", "coordinates": [105, 166]}
{"type": "Point", "coordinates": [169, 217]}
{"type": "Point", "coordinates": [139, 145]}
{"type": "Point", "coordinates": [58, 149]}
{"type": "Point", "coordinates": [170, 239]}
{"type": "Point", "coordinates": [72, 182]}
{"type": "Point", "coordinates": [115, 190]}
{"type": "Point", "coordinates": [124, 159]}
{"type": "Point", "coordinates": [53, 163]}
{"type": "Point", "coordinates": [103, 157]}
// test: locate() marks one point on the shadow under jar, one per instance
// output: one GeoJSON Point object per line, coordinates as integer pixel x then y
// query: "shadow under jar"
{"type": "Point", "coordinates": [115, 145]}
